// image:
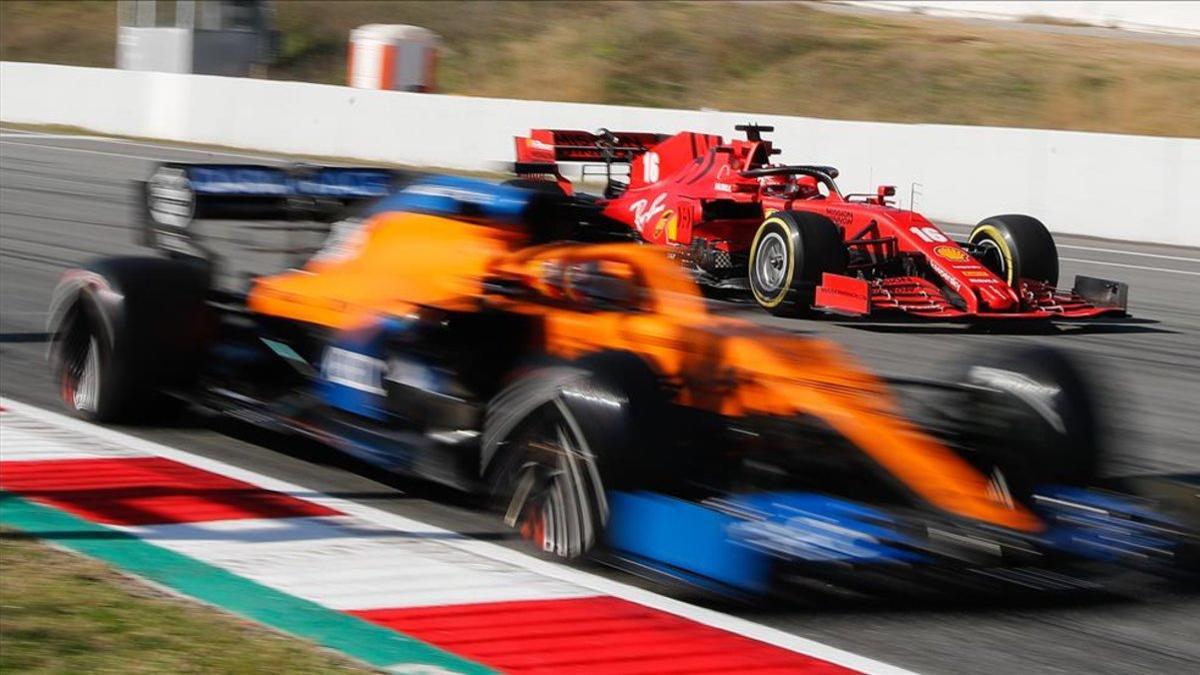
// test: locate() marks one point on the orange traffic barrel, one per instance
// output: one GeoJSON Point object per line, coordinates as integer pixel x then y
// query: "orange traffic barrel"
{"type": "Point", "coordinates": [386, 56]}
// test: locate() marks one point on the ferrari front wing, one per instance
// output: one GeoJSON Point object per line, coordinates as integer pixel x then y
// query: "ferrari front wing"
{"type": "Point", "coordinates": [1090, 297]}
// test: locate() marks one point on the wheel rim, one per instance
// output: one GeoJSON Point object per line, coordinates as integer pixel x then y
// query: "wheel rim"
{"type": "Point", "coordinates": [998, 489]}
{"type": "Point", "coordinates": [770, 263]}
{"type": "Point", "coordinates": [993, 257]}
{"type": "Point", "coordinates": [81, 373]}
{"type": "Point", "coordinates": [549, 502]}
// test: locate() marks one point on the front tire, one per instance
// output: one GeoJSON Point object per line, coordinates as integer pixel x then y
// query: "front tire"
{"type": "Point", "coordinates": [549, 486]}
{"type": "Point", "coordinates": [1017, 247]}
{"type": "Point", "coordinates": [560, 437]}
{"type": "Point", "coordinates": [1034, 417]}
{"type": "Point", "coordinates": [790, 252]}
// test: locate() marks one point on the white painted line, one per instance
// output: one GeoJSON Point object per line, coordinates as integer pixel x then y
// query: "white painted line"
{"type": "Point", "coordinates": [340, 562]}
{"type": "Point", "coordinates": [6, 131]}
{"type": "Point", "coordinates": [484, 549]}
{"type": "Point", "coordinates": [20, 441]}
{"type": "Point", "coordinates": [54, 137]}
{"type": "Point", "coordinates": [87, 152]}
{"type": "Point", "coordinates": [1133, 267]}
{"type": "Point", "coordinates": [963, 230]}
{"type": "Point", "coordinates": [149, 158]}
{"type": "Point", "coordinates": [160, 145]}
{"type": "Point", "coordinates": [345, 563]}
{"type": "Point", "coordinates": [1137, 253]}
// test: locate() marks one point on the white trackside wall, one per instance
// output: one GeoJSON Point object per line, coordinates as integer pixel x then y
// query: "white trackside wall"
{"type": "Point", "coordinates": [1136, 188]}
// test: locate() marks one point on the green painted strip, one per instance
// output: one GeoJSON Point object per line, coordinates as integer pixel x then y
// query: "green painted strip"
{"type": "Point", "coordinates": [360, 639]}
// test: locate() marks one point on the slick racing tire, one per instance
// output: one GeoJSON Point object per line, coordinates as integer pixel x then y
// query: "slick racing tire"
{"type": "Point", "coordinates": [558, 439]}
{"type": "Point", "coordinates": [1017, 247]}
{"type": "Point", "coordinates": [790, 252]}
{"type": "Point", "coordinates": [124, 329]}
{"type": "Point", "coordinates": [1033, 416]}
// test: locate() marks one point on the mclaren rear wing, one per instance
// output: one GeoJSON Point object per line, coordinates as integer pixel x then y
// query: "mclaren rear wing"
{"type": "Point", "coordinates": [245, 220]}
{"type": "Point", "coordinates": [176, 193]}
{"type": "Point", "coordinates": [187, 209]}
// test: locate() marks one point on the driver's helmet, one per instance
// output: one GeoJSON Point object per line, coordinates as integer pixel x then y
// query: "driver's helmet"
{"type": "Point", "coordinates": [806, 187]}
{"type": "Point", "coordinates": [789, 186]}
{"type": "Point", "coordinates": [777, 185]}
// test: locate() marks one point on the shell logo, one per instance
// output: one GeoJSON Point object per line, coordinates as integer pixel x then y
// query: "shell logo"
{"type": "Point", "coordinates": [667, 223]}
{"type": "Point", "coordinates": [952, 253]}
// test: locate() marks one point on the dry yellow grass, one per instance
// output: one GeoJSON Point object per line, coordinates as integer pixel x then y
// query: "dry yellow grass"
{"type": "Point", "coordinates": [60, 613]}
{"type": "Point", "coordinates": [80, 33]}
{"type": "Point", "coordinates": [758, 57]}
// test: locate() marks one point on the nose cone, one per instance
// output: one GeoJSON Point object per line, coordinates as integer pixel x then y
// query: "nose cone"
{"type": "Point", "coordinates": [995, 295]}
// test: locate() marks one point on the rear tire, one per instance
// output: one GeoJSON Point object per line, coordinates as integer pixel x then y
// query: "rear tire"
{"type": "Point", "coordinates": [124, 330]}
{"type": "Point", "coordinates": [90, 381]}
{"type": "Point", "coordinates": [1017, 247]}
{"type": "Point", "coordinates": [790, 252]}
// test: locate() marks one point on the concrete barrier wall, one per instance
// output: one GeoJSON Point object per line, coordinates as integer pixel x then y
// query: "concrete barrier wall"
{"type": "Point", "coordinates": [1104, 185]}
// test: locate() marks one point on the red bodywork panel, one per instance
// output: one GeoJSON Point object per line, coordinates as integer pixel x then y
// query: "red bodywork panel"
{"type": "Point", "coordinates": [690, 186]}
{"type": "Point", "coordinates": [566, 145]}
{"type": "Point", "coordinates": [842, 294]}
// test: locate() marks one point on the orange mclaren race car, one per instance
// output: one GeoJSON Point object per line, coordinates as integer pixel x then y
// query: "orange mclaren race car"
{"type": "Point", "coordinates": [589, 392]}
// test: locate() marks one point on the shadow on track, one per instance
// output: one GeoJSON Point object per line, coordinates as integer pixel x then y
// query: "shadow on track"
{"type": "Point", "coordinates": [63, 535]}
{"type": "Point", "coordinates": [1129, 589]}
{"type": "Point", "coordinates": [899, 323]}
{"type": "Point", "coordinates": [25, 337]}
{"type": "Point", "coordinates": [393, 486]}
{"type": "Point", "coordinates": [919, 327]}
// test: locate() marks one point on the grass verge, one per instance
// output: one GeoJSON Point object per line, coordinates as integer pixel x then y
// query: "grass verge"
{"type": "Point", "coordinates": [61, 613]}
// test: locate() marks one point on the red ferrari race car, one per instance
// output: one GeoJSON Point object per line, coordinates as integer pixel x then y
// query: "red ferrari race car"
{"type": "Point", "coordinates": [788, 235]}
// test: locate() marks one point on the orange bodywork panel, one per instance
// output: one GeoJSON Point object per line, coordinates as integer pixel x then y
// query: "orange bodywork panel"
{"type": "Point", "coordinates": [396, 262]}
{"type": "Point", "coordinates": [402, 262]}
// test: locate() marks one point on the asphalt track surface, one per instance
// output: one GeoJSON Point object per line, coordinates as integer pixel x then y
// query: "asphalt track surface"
{"type": "Point", "coordinates": [66, 199]}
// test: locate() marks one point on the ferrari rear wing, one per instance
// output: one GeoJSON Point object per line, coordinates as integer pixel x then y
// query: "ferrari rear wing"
{"type": "Point", "coordinates": [546, 146]}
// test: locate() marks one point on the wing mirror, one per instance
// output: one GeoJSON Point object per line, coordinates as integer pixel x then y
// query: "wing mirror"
{"type": "Point", "coordinates": [883, 192]}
